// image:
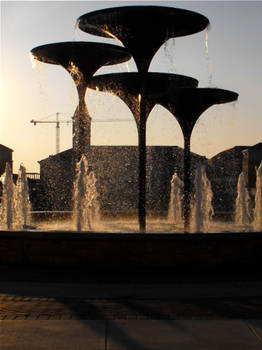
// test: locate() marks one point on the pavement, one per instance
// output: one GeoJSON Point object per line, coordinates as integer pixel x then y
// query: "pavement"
{"type": "Point", "coordinates": [136, 310]}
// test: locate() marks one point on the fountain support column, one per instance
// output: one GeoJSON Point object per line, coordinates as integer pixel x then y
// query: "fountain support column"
{"type": "Point", "coordinates": [187, 183]}
{"type": "Point", "coordinates": [81, 125]}
{"type": "Point", "coordinates": [186, 105]}
{"type": "Point", "coordinates": [142, 165]}
{"type": "Point", "coordinates": [140, 91]}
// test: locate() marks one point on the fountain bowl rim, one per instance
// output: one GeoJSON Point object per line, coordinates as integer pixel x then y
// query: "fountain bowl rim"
{"type": "Point", "coordinates": [85, 45]}
{"type": "Point", "coordinates": [93, 29]}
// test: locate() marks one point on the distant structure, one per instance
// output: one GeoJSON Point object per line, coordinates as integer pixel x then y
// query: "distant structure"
{"type": "Point", "coordinates": [224, 170]}
{"type": "Point", "coordinates": [252, 157]}
{"type": "Point", "coordinates": [6, 156]}
{"type": "Point", "coordinates": [116, 170]}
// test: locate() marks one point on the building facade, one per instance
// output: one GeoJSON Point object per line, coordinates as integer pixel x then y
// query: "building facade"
{"type": "Point", "coordinates": [6, 156]}
{"type": "Point", "coordinates": [116, 170]}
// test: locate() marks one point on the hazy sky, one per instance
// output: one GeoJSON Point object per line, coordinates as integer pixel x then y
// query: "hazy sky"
{"type": "Point", "coordinates": [233, 62]}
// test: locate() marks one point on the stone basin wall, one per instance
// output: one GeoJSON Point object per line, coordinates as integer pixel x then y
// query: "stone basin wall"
{"type": "Point", "coordinates": [120, 251]}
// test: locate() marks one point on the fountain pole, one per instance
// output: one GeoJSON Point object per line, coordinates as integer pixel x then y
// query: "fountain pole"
{"type": "Point", "coordinates": [186, 105]}
{"type": "Point", "coordinates": [187, 182]}
{"type": "Point", "coordinates": [142, 165]}
{"type": "Point", "coordinates": [81, 124]}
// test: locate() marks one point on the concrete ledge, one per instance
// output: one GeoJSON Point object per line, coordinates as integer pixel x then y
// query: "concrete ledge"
{"type": "Point", "coordinates": [131, 250]}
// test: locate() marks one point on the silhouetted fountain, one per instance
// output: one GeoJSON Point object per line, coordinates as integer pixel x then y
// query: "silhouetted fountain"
{"type": "Point", "coordinates": [142, 29]}
{"type": "Point", "coordinates": [86, 209]}
{"type": "Point", "coordinates": [175, 205]}
{"type": "Point", "coordinates": [22, 201]}
{"type": "Point", "coordinates": [15, 204]}
{"type": "Point", "coordinates": [187, 105]}
{"type": "Point", "coordinates": [7, 214]}
{"type": "Point", "coordinates": [140, 91]}
{"type": "Point", "coordinates": [242, 209]}
{"type": "Point", "coordinates": [81, 60]}
{"type": "Point", "coordinates": [258, 201]}
{"type": "Point", "coordinates": [202, 203]}
{"type": "Point", "coordinates": [133, 26]}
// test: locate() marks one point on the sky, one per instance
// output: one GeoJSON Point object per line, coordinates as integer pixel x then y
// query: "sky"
{"type": "Point", "coordinates": [228, 55]}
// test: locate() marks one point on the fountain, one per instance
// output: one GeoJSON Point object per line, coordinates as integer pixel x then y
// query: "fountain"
{"type": "Point", "coordinates": [81, 60]}
{"type": "Point", "coordinates": [86, 208]}
{"type": "Point", "coordinates": [22, 201]}
{"type": "Point", "coordinates": [140, 91]}
{"type": "Point", "coordinates": [133, 26]}
{"type": "Point", "coordinates": [175, 207]}
{"type": "Point", "coordinates": [8, 198]}
{"type": "Point", "coordinates": [142, 30]}
{"type": "Point", "coordinates": [15, 205]}
{"type": "Point", "coordinates": [242, 210]}
{"type": "Point", "coordinates": [187, 105]}
{"type": "Point", "coordinates": [202, 207]}
{"type": "Point", "coordinates": [258, 201]}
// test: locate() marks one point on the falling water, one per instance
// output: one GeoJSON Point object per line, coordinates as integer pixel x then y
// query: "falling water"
{"type": "Point", "coordinates": [8, 200]}
{"type": "Point", "coordinates": [258, 201]}
{"type": "Point", "coordinates": [169, 48]}
{"type": "Point", "coordinates": [22, 201]}
{"type": "Point", "coordinates": [175, 204]}
{"type": "Point", "coordinates": [86, 210]}
{"type": "Point", "coordinates": [75, 30]}
{"type": "Point", "coordinates": [202, 210]}
{"type": "Point", "coordinates": [209, 65]}
{"type": "Point", "coordinates": [40, 69]}
{"type": "Point", "coordinates": [242, 211]}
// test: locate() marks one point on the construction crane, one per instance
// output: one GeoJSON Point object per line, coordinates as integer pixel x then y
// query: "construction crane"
{"type": "Point", "coordinates": [57, 122]}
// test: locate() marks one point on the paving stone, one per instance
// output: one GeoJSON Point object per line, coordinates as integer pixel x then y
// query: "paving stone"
{"type": "Point", "coordinates": [54, 334]}
{"type": "Point", "coordinates": [182, 335]}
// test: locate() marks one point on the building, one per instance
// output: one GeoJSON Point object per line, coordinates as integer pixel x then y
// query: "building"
{"type": "Point", "coordinates": [116, 170]}
{"type": "Point", "coordinates": [223, 171]}
{"type": "Point", "coordinates": [252, 157]}
{"type": "Point", "coordinates": [6, 156]}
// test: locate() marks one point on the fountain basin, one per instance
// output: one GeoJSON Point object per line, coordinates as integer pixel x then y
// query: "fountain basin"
{"type": "Point", "coordinates": [142, 29]}
{"type": "Point", "coordinates": [151, 87]}
{"type": "Point", "coordinates": [87, 57]}
{"type": "Point", "coordinates": [124, 251]}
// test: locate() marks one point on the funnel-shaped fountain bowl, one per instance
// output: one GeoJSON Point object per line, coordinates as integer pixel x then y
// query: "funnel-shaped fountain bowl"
{"type": "Point", "coordinates": [132, 87]}
{"type": "Point", "coordinates": [86, 57]}
{"type": "Point", "coordinates": [81, 60]}
{"type": "Point", "coordinates": [142, 29]}
{"type": "Point", "coordinates": [187, 105]}
{"type": "Point", "coordinates": [140, 91]}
